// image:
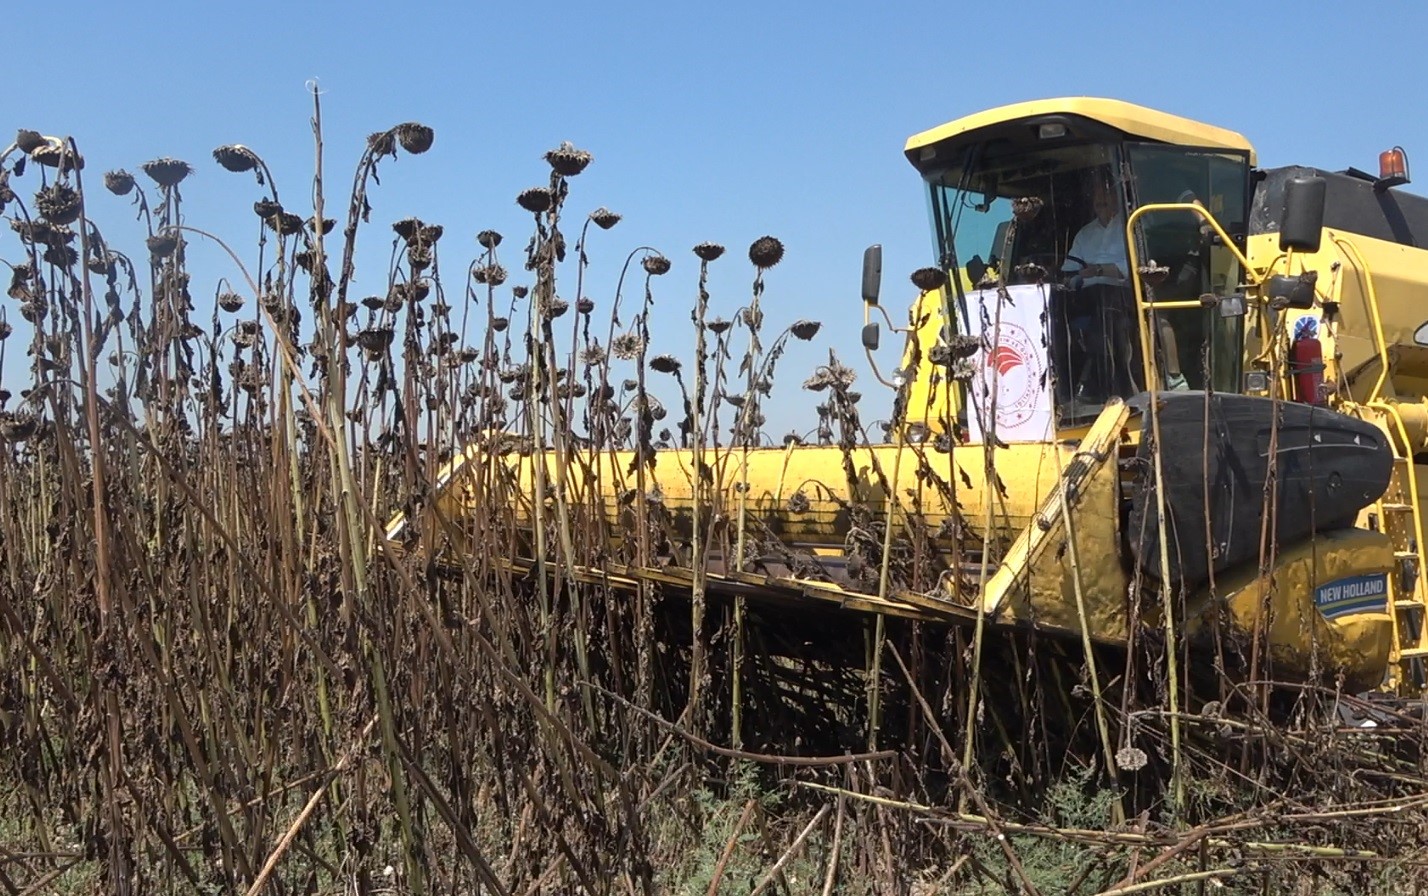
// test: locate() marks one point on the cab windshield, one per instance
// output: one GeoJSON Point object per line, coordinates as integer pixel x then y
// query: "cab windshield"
{"type": "Point", "coordinates": [1009, 214]}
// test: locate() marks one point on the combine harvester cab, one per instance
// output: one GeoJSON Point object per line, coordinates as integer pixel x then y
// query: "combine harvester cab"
{"type": "Point", "coordinates": [1097, 429]}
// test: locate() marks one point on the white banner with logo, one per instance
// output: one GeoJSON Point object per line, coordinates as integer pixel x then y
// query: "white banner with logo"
{"type": "Point", "coordinates": [1014, 360]}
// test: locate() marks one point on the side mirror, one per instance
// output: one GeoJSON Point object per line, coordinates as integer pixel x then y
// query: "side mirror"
{"type": "Point", "coordinates": [872, 275]}
{"type": "Point", "coordinates": [1303, 223]}
{"type": "Point", "coordinates": [870, 336]}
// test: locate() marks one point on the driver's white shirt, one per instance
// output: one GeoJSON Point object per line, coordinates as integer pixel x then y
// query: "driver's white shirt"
{"type": "Point", "coordinates": [1098, 243]}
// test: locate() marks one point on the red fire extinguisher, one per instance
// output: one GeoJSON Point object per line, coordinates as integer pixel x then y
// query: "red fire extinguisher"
{"type": "Point", "coordinates": [1306, 361]}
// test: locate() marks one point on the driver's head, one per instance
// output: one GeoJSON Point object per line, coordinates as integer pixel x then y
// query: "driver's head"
{"type": "Point", "coordinates": [1103, 196]}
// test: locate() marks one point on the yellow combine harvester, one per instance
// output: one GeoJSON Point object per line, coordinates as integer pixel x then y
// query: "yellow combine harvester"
{"type": "Point", "coordinates": [1148, 384]}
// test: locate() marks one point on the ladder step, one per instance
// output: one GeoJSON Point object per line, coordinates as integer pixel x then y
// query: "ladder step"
{"type": "Point", "coordinates": [1405, 555]}
{"type": "Point", "coordinates": [1396, 507]}
{"type": "Point", "coordinates": [1413, 653]}
{"type": "Point", "coordinates": [1408, 604]}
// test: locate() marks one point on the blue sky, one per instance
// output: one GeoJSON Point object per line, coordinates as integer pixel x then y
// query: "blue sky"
{"type": "Point", "coordinates": [714, 122]}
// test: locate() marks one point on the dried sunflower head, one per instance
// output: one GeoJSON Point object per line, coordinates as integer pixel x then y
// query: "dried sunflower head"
{"type": "Point", "coordinates": [928, 279]}
{"type": "Point", "coordinates": [665, 364]}
{"type": "Point", "coordinates": [655, 265]}
{"type": "Point", "coordinates": [167, 172]}
{"type": "Point", "coordinates": [327, 225]}
{"type": "Point", "coordinates": [5, 329]}
{"type": "Point", "coordinates": [58, 203]}
{"type": "Point", "coordinates": [119, 182]}
{"type": "Point", "coordinates": [230, 301]}
{"type": "Point", "coordinates": [237, 158]}
{"type": "Point", "coordinates": [708, 251]}
{"type": "Point", "coordinates": [593, 355]}
{"type": "Point", "coordinates": [536, 199]}
{"type": "Point", "coordinates": [584, 305]}
{"type": "Point", "coordinates": [627, 346]}
{"type": "Point", "coordinates": [407, 228]}
{"type": "Point", "coordinates": [28, 141]}
{"type": "Point", "coordinates": [500, 324]}
{"type": "Point", "coordinates": [567, 161]}
{"type": "Point", "coordinates": [489, 239]}
{"type": "Point", "coordinates": [556, 308]}
{"type": "Point", "coordinates": [415, 138]}
{"type": "Point", "coordinates": [520, 292]}
{"type": "Point", "coordinates": [604, 218]}
{"type": "Point", "coordinates": [162, 245]}
{"type": "Point", "coordinates": [805, 329]}
{"type": "Point", "coordinates": [490, 274]}
{"type": "Point", "coordinates": [765, 252]}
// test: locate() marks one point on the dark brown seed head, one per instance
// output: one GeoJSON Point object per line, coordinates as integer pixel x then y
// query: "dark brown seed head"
{"type": "Point", "coordinates": [585, 305]}
{"type": "Point", "coordinates": [230, 301]}
{"type": "Point", "coordinates": [500, 324]}
{"type": "Point", "coordinates": [57, 154]}
{"type": "Point", "coordinates": [556, 308]}
{"type": "Point", "coordinates": [407, 228]}
{"type": "Point", "coordinates": [520, 292]}
{"type": "Point", "coordinates": [236, 158]}
{"type": "Point", "coordinates": [805, 329]}
{"type": "Point", "coordinates": [167, 172]}
{"type": "Point", "coordinates": [267, 208]}
{"type": "Point", "coordinates": [567, 161]}
{"type": "Point", "coordinates": [162, 245]}
{"type": "Point", "coordinates": [327, 225]}
{"type": "Point", "coordinates": [765, 252]}
{"type": "Point", "coordinates": [430, 233]}
{"type": "Point", "coordinates": [28, 141]}
{"type": "Point", "coordinates": [60, 255]}
{"type": "Point", "coordinates": [489, 239]}
{"type": "Point", "coordinates": [286, 223]}
{"type": "Point", "coordinates": [18, 428]}
{"type": "Point", "coordinates": [58, 203]}
{"type": "Point", "coordinates": [708, 251]}
{"type": "Point", "coordinates": [31, 231]}
{"type": "Point", "coordinates": [119, 182]}
{"type": "Point", "coordinates": [5, 329]}
{"type": "Point", "coordinates": [491, 275]}
{"type": "Point", "coordinates": [536, 199]}
{"type": "Point", "coordinates": [604, 218]}
{"type": "Point", "coordinates": [928, 279]}
{"type": "Point", "coordinates": [373, 303]}
{"type": "Point", "coordinates": [414, 137]}
{"type": "Point", "coordinates": [655, 265]}
{"type": "Point", "coordinates": [665, 364]}
{"type": "Point", "coordinates": [719, 325]}
{"type": "Point", "coordinates": [375, 339]}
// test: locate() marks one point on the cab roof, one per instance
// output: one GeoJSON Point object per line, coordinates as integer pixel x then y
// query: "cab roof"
{"type": "Point", "coordinates": [1135, 121]}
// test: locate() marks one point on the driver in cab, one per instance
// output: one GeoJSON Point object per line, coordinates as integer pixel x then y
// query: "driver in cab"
{"type": "Point", "coordinates": [1095, 268]}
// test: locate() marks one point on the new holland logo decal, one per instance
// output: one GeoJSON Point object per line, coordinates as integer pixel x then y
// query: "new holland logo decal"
{"type": "Point", "coordinates": [1353, 594]}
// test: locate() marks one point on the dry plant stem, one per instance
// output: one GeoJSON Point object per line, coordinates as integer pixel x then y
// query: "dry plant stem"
{"type": "Point", "coordinates": [1167, 602]}
{"type": "Point", "coordinates": [729, 846]}
{"type": "Point", "coordinates": [830, 879]}
{"type": "Point", "coordinates": [1074, 553]}
{"type": "Point", "coordinates": [990, 474]}
{"type": "Point", "coordinates": [344, 486]}
{"type": "Point", "coordinates": [698, 549]}
{"type": "Point", "coordinates": [875, 664]}
{"type": "Point", "coordinates": [789, 853]}
{"type": "Point", "coordinates": [1176, 881]}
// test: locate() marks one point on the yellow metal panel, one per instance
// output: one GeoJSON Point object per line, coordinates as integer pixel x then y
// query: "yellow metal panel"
{"type": "Point", "coordinates": [1137, 121]}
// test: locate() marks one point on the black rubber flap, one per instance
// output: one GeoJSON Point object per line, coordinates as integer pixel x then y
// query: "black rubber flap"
{"type": "Point", "coordinates": [1330, 466]}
